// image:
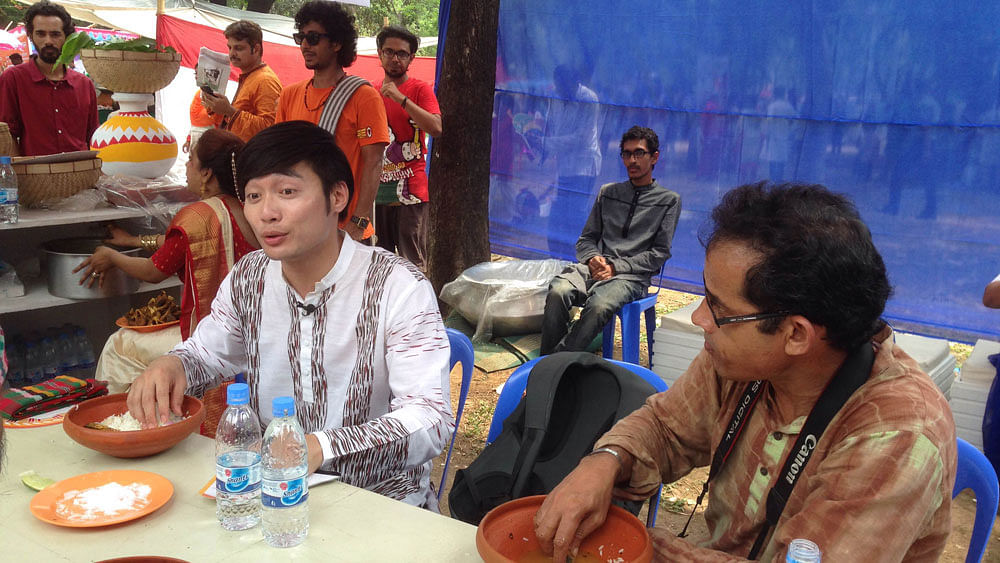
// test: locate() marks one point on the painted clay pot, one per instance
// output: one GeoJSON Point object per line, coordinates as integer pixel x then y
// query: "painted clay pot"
{"type": "Point", "coordinates": [134, 143]}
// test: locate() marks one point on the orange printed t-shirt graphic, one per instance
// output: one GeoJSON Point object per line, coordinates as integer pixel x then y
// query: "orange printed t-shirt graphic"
{"type": "Point", "coordinates": [361, 123]}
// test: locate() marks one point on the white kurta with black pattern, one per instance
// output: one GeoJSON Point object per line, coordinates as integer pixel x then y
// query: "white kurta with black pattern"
{"type": "Point", "coordinates": [368, 369]}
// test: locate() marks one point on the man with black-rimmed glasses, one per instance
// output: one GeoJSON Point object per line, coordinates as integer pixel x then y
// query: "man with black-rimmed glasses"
{"type": "Point", "coordinates": [815, 425]}
{"type": "Point", "coordinates": [402, 204]}
{"type": "Point", "coordinates": [623, 245]}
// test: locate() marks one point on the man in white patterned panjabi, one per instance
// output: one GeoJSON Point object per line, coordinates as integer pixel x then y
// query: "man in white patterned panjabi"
{"type": "Point", "coordinates": [352, 332]}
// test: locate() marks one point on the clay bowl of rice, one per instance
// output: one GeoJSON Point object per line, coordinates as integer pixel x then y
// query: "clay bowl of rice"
{"type": "Point", "coordinates": [111, 412]}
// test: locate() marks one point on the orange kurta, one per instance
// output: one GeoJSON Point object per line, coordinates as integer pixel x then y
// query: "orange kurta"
{"type": "Point", "coordinates": [257, 99]}
{"type": "Point", "coordinates": [361, 123]}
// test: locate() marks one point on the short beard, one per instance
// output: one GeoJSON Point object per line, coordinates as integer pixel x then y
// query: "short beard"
{"type": "Point", "coordinates": [50, 58]}
{"type": "Point", "coordinates": [395, 74]}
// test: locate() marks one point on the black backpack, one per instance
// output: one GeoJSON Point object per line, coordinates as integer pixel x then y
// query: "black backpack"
{"type": "Point", "coordinates": [572, 399]}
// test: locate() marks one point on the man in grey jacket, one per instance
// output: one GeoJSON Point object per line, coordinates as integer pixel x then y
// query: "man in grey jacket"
{"type": "Point", "coordinates": [625, 242]}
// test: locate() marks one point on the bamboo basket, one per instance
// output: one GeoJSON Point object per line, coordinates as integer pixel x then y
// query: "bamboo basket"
{"type": "Point", "coordinates": [7, 145]}
{"type": "Point", "coordinates": [129, 71]}
{"type": "Point", "coordinates": [37, 183]}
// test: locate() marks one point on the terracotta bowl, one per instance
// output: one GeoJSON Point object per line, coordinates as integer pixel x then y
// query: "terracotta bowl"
{"type": "Point", "coordinates": [138, 443]}
{"type": "Point", "coordinates": [507, 534]}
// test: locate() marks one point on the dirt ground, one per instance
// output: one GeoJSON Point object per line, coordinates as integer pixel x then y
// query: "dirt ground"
{"type": "Point", "coordinates": [678, 497]}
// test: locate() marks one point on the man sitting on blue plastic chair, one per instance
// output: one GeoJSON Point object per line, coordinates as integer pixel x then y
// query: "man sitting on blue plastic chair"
{"type": "Point", "coordinates": [624, 243]}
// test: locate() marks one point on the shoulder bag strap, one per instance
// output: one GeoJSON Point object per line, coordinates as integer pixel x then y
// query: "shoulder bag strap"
{"type": "Point", "coordinates": [337, 100]}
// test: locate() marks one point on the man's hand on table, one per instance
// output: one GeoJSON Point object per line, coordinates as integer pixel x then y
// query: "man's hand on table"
{"type": "Point", "coordinates": [157, 392]}
{"type": "Point", "coordinates": [577, 506]}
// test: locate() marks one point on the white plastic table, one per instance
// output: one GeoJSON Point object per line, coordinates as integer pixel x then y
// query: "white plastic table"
{"type": "Point", "coordinates": [345, 523]}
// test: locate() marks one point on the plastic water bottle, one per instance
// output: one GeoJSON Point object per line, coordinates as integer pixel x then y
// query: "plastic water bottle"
{"type": "Point", "coordinates": [284, 493]}
{"type": "Point", "coordinates": [49, 359]}
{"type": "Point", "coordinates": [8, 191]}
{"type": "Point", "coordinates": [65, 354]}
{"type": "Point", "coordinates": [237, 462]}
{"type": "Point", "coordinates": [15, 362]}
{"type": "Point", "coordinates": [85, 360]}
{"type": "Point", "coordinates": [33, 372]}
{"type": "Point", "coordinates": [802, 551]}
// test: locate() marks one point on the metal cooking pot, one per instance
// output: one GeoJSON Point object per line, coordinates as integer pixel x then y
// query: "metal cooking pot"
{"type": "Point", "coordinates": [63, 255]}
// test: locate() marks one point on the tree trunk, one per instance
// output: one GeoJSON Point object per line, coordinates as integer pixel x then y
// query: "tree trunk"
{"type": "Point", "coordinates": [262, 6]}
{"type": "Point", "coordinates": [459, 183]}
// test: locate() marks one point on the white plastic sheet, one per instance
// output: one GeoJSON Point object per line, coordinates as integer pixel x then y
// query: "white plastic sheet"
{"type": "Point", "coordinates": [503, 298]}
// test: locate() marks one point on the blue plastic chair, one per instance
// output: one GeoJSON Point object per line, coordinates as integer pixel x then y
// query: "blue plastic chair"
{"type": "Point", "coordinates": [461, 352]}
{"type": "Point", "coordinates": [976, 472]}
{"type": "Point", "coordinates": [630, 316]}
{"type": "Point", "coordinates": [514, 388]}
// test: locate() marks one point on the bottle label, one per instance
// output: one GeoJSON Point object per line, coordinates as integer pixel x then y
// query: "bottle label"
{"type": "Point", "coordinates": [237, 479]}
{"type": "Point", "coordinates": [284, 494]}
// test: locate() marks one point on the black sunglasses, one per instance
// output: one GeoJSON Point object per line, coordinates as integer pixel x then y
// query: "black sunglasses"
{"type": "Point", "coordinates": [311, 38]}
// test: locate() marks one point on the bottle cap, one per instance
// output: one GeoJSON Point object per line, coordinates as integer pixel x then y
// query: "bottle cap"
{"type": "Point", "coordinates": [283, 406]}
{"type": "Point", "coordinates": [5, 160]}
{"type": "Point", "coordinates": [238, 394]}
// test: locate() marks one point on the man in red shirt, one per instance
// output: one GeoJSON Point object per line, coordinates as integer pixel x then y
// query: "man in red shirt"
{"type": "Point", "coordinates": [412, 110]}
{"type": "Point", "coordinates": [49, 108]}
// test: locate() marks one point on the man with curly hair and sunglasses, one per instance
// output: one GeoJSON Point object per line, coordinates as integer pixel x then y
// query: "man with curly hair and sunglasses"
{"type": "Point", "coordinates": [347, 106]}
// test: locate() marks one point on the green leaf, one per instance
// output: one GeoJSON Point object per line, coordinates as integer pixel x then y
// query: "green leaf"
{"type": "Point", "coordinates": [139, 45]}
{"type": "Point", "coordinates": [75, 43]}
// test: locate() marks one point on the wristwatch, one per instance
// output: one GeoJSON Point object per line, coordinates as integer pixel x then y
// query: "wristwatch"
{"type": "Point", "coordinates": [361, 222]}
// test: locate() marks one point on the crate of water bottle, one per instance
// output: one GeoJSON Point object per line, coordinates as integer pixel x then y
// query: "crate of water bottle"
{"type": "Point", "coordinates": [39, 356]}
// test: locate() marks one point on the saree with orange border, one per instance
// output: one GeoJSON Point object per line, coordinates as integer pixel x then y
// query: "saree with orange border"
{"type": "Point", "coordinates": [210, 254]}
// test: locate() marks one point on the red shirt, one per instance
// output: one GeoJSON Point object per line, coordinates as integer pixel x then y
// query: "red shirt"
{"type": "Point", "coordinates": [46, 116]}
{"type": "Point", "coordinates": [404, 157]}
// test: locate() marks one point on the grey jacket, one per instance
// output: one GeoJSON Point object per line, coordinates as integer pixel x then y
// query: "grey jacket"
{"type": "Point", "coordinates": [632, 228]}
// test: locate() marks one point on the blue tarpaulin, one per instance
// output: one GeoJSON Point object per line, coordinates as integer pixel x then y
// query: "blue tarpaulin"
{"type": "Point", "coordinates": [894, 103]}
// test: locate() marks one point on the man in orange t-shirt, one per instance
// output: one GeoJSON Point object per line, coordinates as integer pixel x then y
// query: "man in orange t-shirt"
{"type": "Point", "coordinates": [328, 41]}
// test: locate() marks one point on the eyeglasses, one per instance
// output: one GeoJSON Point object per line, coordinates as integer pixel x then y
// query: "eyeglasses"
{"type": "Point", "coordinates": [723, 321]}
{"type": "Point", "coordinates": [403, 56]}
{"type": "Point", "coordinates": [311, 38]}
{"type": "Point", "coordinates": [637, 153]}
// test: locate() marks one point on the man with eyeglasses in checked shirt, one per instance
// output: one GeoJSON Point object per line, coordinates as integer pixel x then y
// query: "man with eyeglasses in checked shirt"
{"type": "Point", "coordinates": [794, 292]}
{"type": "Point", "coordinates": [347, 106]}
{"type": "Point", "coordinates": [623, 245]}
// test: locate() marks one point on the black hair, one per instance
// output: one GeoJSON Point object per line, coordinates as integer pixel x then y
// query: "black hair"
{"type": "Point", "coordinates": [46, 8]}
{"type": "Point", "coordinates": [817, 258]}
{"type": "Point", "coordinates": [399, 32]}
{"type": "Point", "coordinates": [216, 150]}
{"type": "Point", "coordinates": [280, 147]}
{"type": "Point", "coordinates": [336, 22]}
{"type": "Point", "coordinates": [636, 133]}
{"type": "Point", "coordinates": [246, 30]}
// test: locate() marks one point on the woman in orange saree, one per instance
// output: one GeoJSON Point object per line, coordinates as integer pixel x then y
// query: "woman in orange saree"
{"type": "Point", "coordinates": [201, 245]}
